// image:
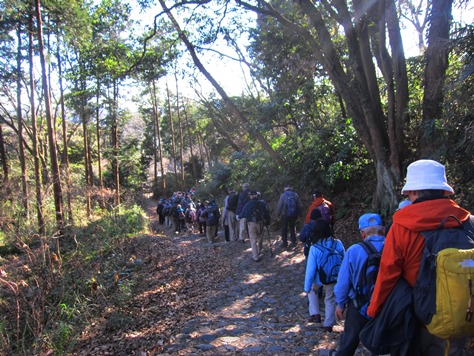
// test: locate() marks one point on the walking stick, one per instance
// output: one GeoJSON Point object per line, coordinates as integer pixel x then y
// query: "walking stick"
{"type": "Point", "coordinates": [270, 241]}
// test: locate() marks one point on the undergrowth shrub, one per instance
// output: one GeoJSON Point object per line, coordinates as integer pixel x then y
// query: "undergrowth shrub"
{"type": "Point", "coordinates": [54, 288]}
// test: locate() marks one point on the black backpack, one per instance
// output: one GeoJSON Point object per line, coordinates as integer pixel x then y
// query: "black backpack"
{"type": "Point", "coordinates": [367, 277]}
{"type": "Point", "coordinates": [232, 202]}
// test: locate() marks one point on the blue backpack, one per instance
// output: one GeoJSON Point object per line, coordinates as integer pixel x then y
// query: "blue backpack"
{"type": "Point", "coordinates": [330, 263]}
{"type": "Point", "coordinates": [292, 210]}
{"type": "Point", "coordinates": [367, 277]}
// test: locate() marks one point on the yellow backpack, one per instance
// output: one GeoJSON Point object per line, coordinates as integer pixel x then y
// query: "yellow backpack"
{"type": "Point", "coordinates": [444, 291]}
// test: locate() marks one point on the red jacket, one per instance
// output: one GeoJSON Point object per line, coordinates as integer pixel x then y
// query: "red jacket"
{"type": "Point", "coordinates": [404, 244]}
{"type": "Point", "coordinates": [317, 202]}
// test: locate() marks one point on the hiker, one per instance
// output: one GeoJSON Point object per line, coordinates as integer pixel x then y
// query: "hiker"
{"type": "Point", "coordinates": [243, 198]}
{"type": "Point", "coordinates": [212, 215]}
{"type": "Point", "coordinates": [159, 211]}
{"type": "Point", "coordinates": [401, 205]}
{"type": "Point", "coordinates": [190, 217]}
{"type": "Point", "coordinates": [324, 205]}
{"type": "Point", "coordinates": [257, 216]}
{"type": "Point", "coordinates": [200, 218]}
{"type": "Point", "coordinates": [353, 268]}
{"type": "Point", "coordinates": [325, 255]}
{"type": "Point", "coordinates": [179, 218]}
{"type": "Point", "coordinates": [288, 210]}
{"type": "Point", "coordinates": [231, 203]}
{"type": "Point", "coordinates": [306, 237]}
{"type": "Point", "coordinates": [427, 189]}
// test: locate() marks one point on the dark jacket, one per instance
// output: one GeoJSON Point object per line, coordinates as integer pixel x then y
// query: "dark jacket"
{"type": "Point", "coordinates": [395, 325]}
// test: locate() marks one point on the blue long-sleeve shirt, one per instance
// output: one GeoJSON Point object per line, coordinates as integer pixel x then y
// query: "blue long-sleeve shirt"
{"type": "Point", "coordinates": [314, 258]}
{"type": "Point", "coordinates": [351, 268]}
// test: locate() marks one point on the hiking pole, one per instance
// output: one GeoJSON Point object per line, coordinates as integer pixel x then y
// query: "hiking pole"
{"type": "Point", "coordinates": [269, 241]}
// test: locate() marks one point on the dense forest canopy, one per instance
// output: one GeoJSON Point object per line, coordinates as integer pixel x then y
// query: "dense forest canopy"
{"type": "Point", "coordinates": [100, 100]}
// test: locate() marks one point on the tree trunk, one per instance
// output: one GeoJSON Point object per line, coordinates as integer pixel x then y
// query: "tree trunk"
{"type": "Point", "coordinates": [193, 161]}
{"type": "Point", "coordinates": [3, 157]}
{"type": "Point", "coordinates": [21, 148]}
{"type": "Point", "coordinates": [173, 145]}
{"type": "Point", "coordinates": [99, 153]}
{"type": "Point", "coordinates": [235, 110]}
{"type": "Point", "coordinates": [65, 136]}
{"type": "Point", "coordinates": [436, 57]}
{"type": "Point", "coordinates": [38, 185]}
{"type": "Point", "coordinates": [180, 128]}
{"type": "Point", "coordinates": [115, 144]}
{"type": "Point", "coordinates": [58, 199]}
{"type": "Point", "coordinates": [158, 131]}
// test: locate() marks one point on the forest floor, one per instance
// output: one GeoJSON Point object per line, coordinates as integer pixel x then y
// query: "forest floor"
{"type": "Point", "coordinates": [192, 298]}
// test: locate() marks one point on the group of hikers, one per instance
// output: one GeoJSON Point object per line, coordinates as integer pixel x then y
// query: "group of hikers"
{"type": "Point", "coordinates": [403, 290]}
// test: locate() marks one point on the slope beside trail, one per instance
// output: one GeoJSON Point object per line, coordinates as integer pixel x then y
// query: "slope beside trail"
{"type": "Point", "coordinates": [194, 298]}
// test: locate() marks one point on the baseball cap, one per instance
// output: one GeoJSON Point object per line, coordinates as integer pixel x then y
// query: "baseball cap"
{"type": "Point", "coordinates": [369, 219]}
{"type": "Point", "coordinates": [426, 174]}
{"type": "Point", "coordinates": [253, 192]}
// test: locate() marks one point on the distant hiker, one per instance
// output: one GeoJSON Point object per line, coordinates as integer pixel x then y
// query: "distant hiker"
{"type": "Point", "coordinates": [159, 211]}
{"type": "Point", "coordinates": [200, 218]}
{"type": "Point", "coordinates": [353, 289]}
{"type": "Point", "coordinates": [179, 216]}
{"type": "Point", "coordinates": [190, 217]}
{"type": "Point", "coordinates": [288, 210]}
{"type": "Point", "coordinates": [232, 202]}
{"type": "Point", "coordinates": [324, 205]}
{"type": "Point", "coordinates": [257, 216]}
{"type": "Point", "coordinates": [431, 209]}
{"type": "Point", "coordinates": [401, 205]}
{"type": "Point", "coordinates": [306, 236]}
{"type": "Point", "coordinates": [243, 198]}
{"type": "Point", "coordinates": [324, 260]}
{"type": "Point", "coordinates": [212, 216]}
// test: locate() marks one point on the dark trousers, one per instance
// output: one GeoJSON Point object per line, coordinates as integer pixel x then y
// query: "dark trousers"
{"type": "Point", "coordinates": [202, 227]}
{"type": "Point", "coordinates": [226, 233]}
{"type": "Point", "coordinates": [288, 224]}
{"type": "Point", "coordinates": [352, 327]}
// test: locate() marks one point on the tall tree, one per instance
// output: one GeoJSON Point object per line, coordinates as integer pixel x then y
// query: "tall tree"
{"type": "Point", "coordinates": [38, 183]}
{"type": "Point", "coordinates": [21, 149]}
{"type": "Point", "coordinates": [238, 114]}
{"type": "Point", "coordinates": [58, 199]}
{"type": "Point", "coordinates": [436, 57]}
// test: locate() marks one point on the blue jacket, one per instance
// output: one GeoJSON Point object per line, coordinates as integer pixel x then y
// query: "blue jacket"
{"type": "Point", "coordinates": [351, 267]}
{"type": "Point", "coordinates": [314, 257]}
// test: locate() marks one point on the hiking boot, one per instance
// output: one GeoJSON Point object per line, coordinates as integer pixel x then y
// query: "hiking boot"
{"type": "Point", "coordinates": [293, 245]}
{"type": "Point", "coordinates": [328, 329]}
{"type": "Point", "coordinates": [316, 318]}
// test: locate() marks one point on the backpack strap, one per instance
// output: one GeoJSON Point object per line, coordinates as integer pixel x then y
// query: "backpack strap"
{"type": "Point", "coordinates": [368, 247]}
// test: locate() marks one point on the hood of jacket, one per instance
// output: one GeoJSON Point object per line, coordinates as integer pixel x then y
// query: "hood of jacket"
{"type": "Point", "coordinates": [429, 214]}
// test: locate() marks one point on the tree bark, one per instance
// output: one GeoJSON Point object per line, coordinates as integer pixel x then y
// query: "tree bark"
{"type": "Point", "coordinates": [21, 147]}
{"type": "Point", "coordinates": [180, 127]}
{"type": "Point", "coordinates": [190, 139]}
{"type": "Point", "coordinates": [65, 136]}
{"type": "Point", "coordinates": [436, 57]}
{"type": "Point", "coordinates": [158, 132]}
{"type": "Point", "coordinates": [38, 185]}
{"type": "Point", "coordinates": [173, 144]}
{"type": "Point", "coordinates": [58, 199]}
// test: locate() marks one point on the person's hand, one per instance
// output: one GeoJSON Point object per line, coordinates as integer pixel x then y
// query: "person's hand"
{"type": "Point", "coordinates": [237, 217]}
{"type": "Point", "coordinates": [339, 313]}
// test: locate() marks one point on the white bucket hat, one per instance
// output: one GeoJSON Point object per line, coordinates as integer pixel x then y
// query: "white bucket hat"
{"type": "Point", "coordinates": [426, 174]}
